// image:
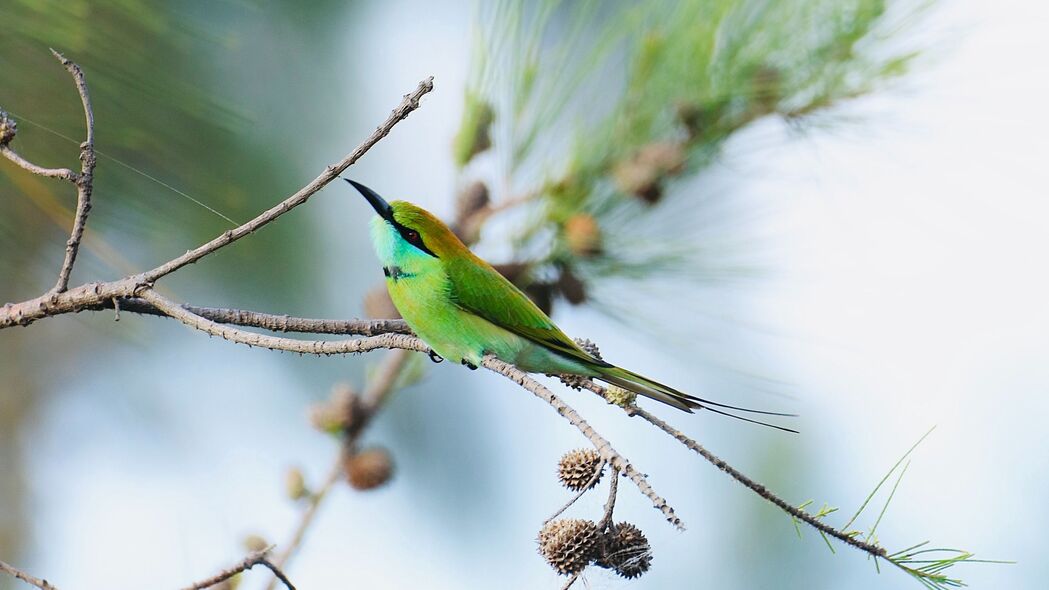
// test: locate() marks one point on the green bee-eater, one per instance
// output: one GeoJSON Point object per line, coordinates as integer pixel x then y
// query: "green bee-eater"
{"type": "Point", "coordinates": [464, 309]}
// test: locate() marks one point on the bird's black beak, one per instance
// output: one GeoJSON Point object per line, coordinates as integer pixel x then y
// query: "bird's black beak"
{"type": "Point", "coordinates": [378, 203]}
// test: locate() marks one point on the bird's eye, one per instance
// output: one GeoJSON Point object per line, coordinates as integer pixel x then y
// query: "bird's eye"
{"type": "Point", "coordinates": [412, 235]}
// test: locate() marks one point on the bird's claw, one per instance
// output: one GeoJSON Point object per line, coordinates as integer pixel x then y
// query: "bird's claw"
{"type": "Point", "coordinates": [469, 365]}
{"type": "Point", "coordinates": [436, 358]}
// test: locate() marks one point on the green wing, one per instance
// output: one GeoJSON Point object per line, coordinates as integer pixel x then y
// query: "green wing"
{"type": "Point", "coordinates": [479, 289]}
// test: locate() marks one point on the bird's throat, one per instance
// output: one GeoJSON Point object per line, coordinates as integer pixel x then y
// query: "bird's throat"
{"type": "Point", "coordinates": [395, 273]}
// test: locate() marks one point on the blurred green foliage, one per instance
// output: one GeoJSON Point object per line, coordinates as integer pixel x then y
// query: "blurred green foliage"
{"type": "Point", "coordinates": [599, 109]}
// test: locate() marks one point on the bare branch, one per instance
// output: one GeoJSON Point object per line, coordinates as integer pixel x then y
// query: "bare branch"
{"type": "Point", "coordinates": [616, 460]}
{"type": "Point", "coordinates": [318, 347]}
{"type": "Point", "coordinates": [84, 181]}
{"type": "Point", "coordinates": [610, 505]}
{"type": "Point", "coordinates": [272, 322]}
{"type": "Point", "coordinates": [307, 518]}
{"type": "Point", "coordinates": [257, 558]}
{"type": "Point", "coordinates": [61, 173]}
{"type": "Point", "coordinates": [375, 395]}
{"type": "Point", "coordinates": [408, 104]}
{"type": "Point", "coordinates": [760, 489]}
{"type": "Point", "coordinates": [93, 296]}
{"type": "Point", "coordinates": [20, 575]}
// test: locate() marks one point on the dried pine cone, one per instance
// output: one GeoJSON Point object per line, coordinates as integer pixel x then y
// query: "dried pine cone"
{"type": "Point", "coordinates": [589, 347]}
{"type": "Point", "coordinates": [623, 398]}
{"type": "Point", "coordinates": [576, 469]}
{"type": "Point", "coordinates": [579, 382]}
{"type": "Point", "coordinates": [368, 469]}
{"type": "Point", "coordinates": [8, 128]}
{"type": "Point", "coordinates": [569, 544]}
{"type": "Point", "coordinates": [625, 550]}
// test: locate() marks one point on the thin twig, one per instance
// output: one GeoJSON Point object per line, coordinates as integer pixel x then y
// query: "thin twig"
{"type": "Point", "coordinates": [408, 104]}
{"type": "Point", "coordinates": [586, 488]}
{"type": "Point", "coordinates": [61, 173]}
{"type": "Point", "coordinates": [256, 558]}
{"type": "Point", "coordinates": [760, 489]}
{"type": "Point", "coordinates": [307, 518]}
{"type": "Point", "coordinates": [375, 395]}
{"type": "Point", "coordinates": [616, 460]}
{"type": "Point", "coordinates": [20, 575]}
{"type": "Point", "coordinates": [572, 580]}
{"type": "Point", "coordinates": [610, 505]}
{"type": "Point", "coordinates": [84, 180]}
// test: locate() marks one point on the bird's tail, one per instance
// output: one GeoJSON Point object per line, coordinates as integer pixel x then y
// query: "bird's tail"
{"type": "Point", "coordinates": [668, 395]}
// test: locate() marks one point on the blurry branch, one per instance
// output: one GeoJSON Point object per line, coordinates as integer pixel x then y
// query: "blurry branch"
{"type": "Point", "coordinates": [257, 558]}
{"type": "Point", "coordinates": [20, 575]}
{"type": "Point", "coordinates": [376, 394]}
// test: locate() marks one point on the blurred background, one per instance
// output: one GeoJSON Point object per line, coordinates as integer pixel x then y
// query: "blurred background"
{"type": "Point", "coordinates": [834, 208]}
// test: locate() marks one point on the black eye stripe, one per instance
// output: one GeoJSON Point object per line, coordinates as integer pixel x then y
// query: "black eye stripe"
{"type": "Point", "coordinates": [412, 237]}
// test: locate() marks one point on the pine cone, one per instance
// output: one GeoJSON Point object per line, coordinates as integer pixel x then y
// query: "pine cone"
{"type": "Point", "coordinates": [589, 347]}
{"type": "Point", "coordinates": [625, 550]}
{"type": "Point", "coordinates": [576, 469]}
{"type": "Point", "coordinates": [569, 545]}
{"type": "Point", "coordinates": [8, 128]}
{"type": "Point", "coordinates": [368, 469]}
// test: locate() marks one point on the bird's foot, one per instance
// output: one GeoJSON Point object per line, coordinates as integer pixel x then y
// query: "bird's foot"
{"type": "Point", "coordinates": [436, 358]}
{"type": "Point", "coordinates": [469, 365]}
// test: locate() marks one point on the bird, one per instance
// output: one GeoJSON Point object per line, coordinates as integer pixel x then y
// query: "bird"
{"type": "Point", "coordinates": [464, 309]}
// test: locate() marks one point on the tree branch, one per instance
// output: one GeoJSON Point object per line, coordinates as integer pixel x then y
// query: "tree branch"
{"type": "Point", "coordinates": [84, 181]}
{"type": "Point", "coordinates": [615, 460]}
{"type": "Point", "coordinates": [20, 575]}
{"type": "Point", "coordinates": [408, 104]}
{"type": "Point", "coordinates": [317, 347]}
{"type": "Point", "coordinates": [759, 489]}
{"type": "Point", "coordinates": [375, 395]}
{"type": "Point", "coordinates": [60, 173]}
{"type": "Point", "coordinates": [257, 558]}
{"type": "Point", "coordinates": [100, 295]}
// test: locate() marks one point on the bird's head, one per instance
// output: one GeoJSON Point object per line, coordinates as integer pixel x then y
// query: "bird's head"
{"type": "Point", "coordinates": [403, 232]}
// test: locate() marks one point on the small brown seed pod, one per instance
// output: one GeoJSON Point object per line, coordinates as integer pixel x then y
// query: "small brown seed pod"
{"type": "Point", "coordinates": [340, 413]}
{"type": "Point", "coordinates": [368, 469]}
{"type": "Point", "coordinates": [625, 550]}
{"type": "Point", "coordinates": [569, 544]}
{"type": "Point", "coordinates": [589, 347]}
{"type": "Point", "coordinates": [583, 235]}
{"type": "Point", "coordinates": [577, 468]}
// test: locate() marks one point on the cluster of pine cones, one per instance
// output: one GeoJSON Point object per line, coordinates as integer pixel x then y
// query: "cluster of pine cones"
{"type": "Point", "coordinates": [569, 545]}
